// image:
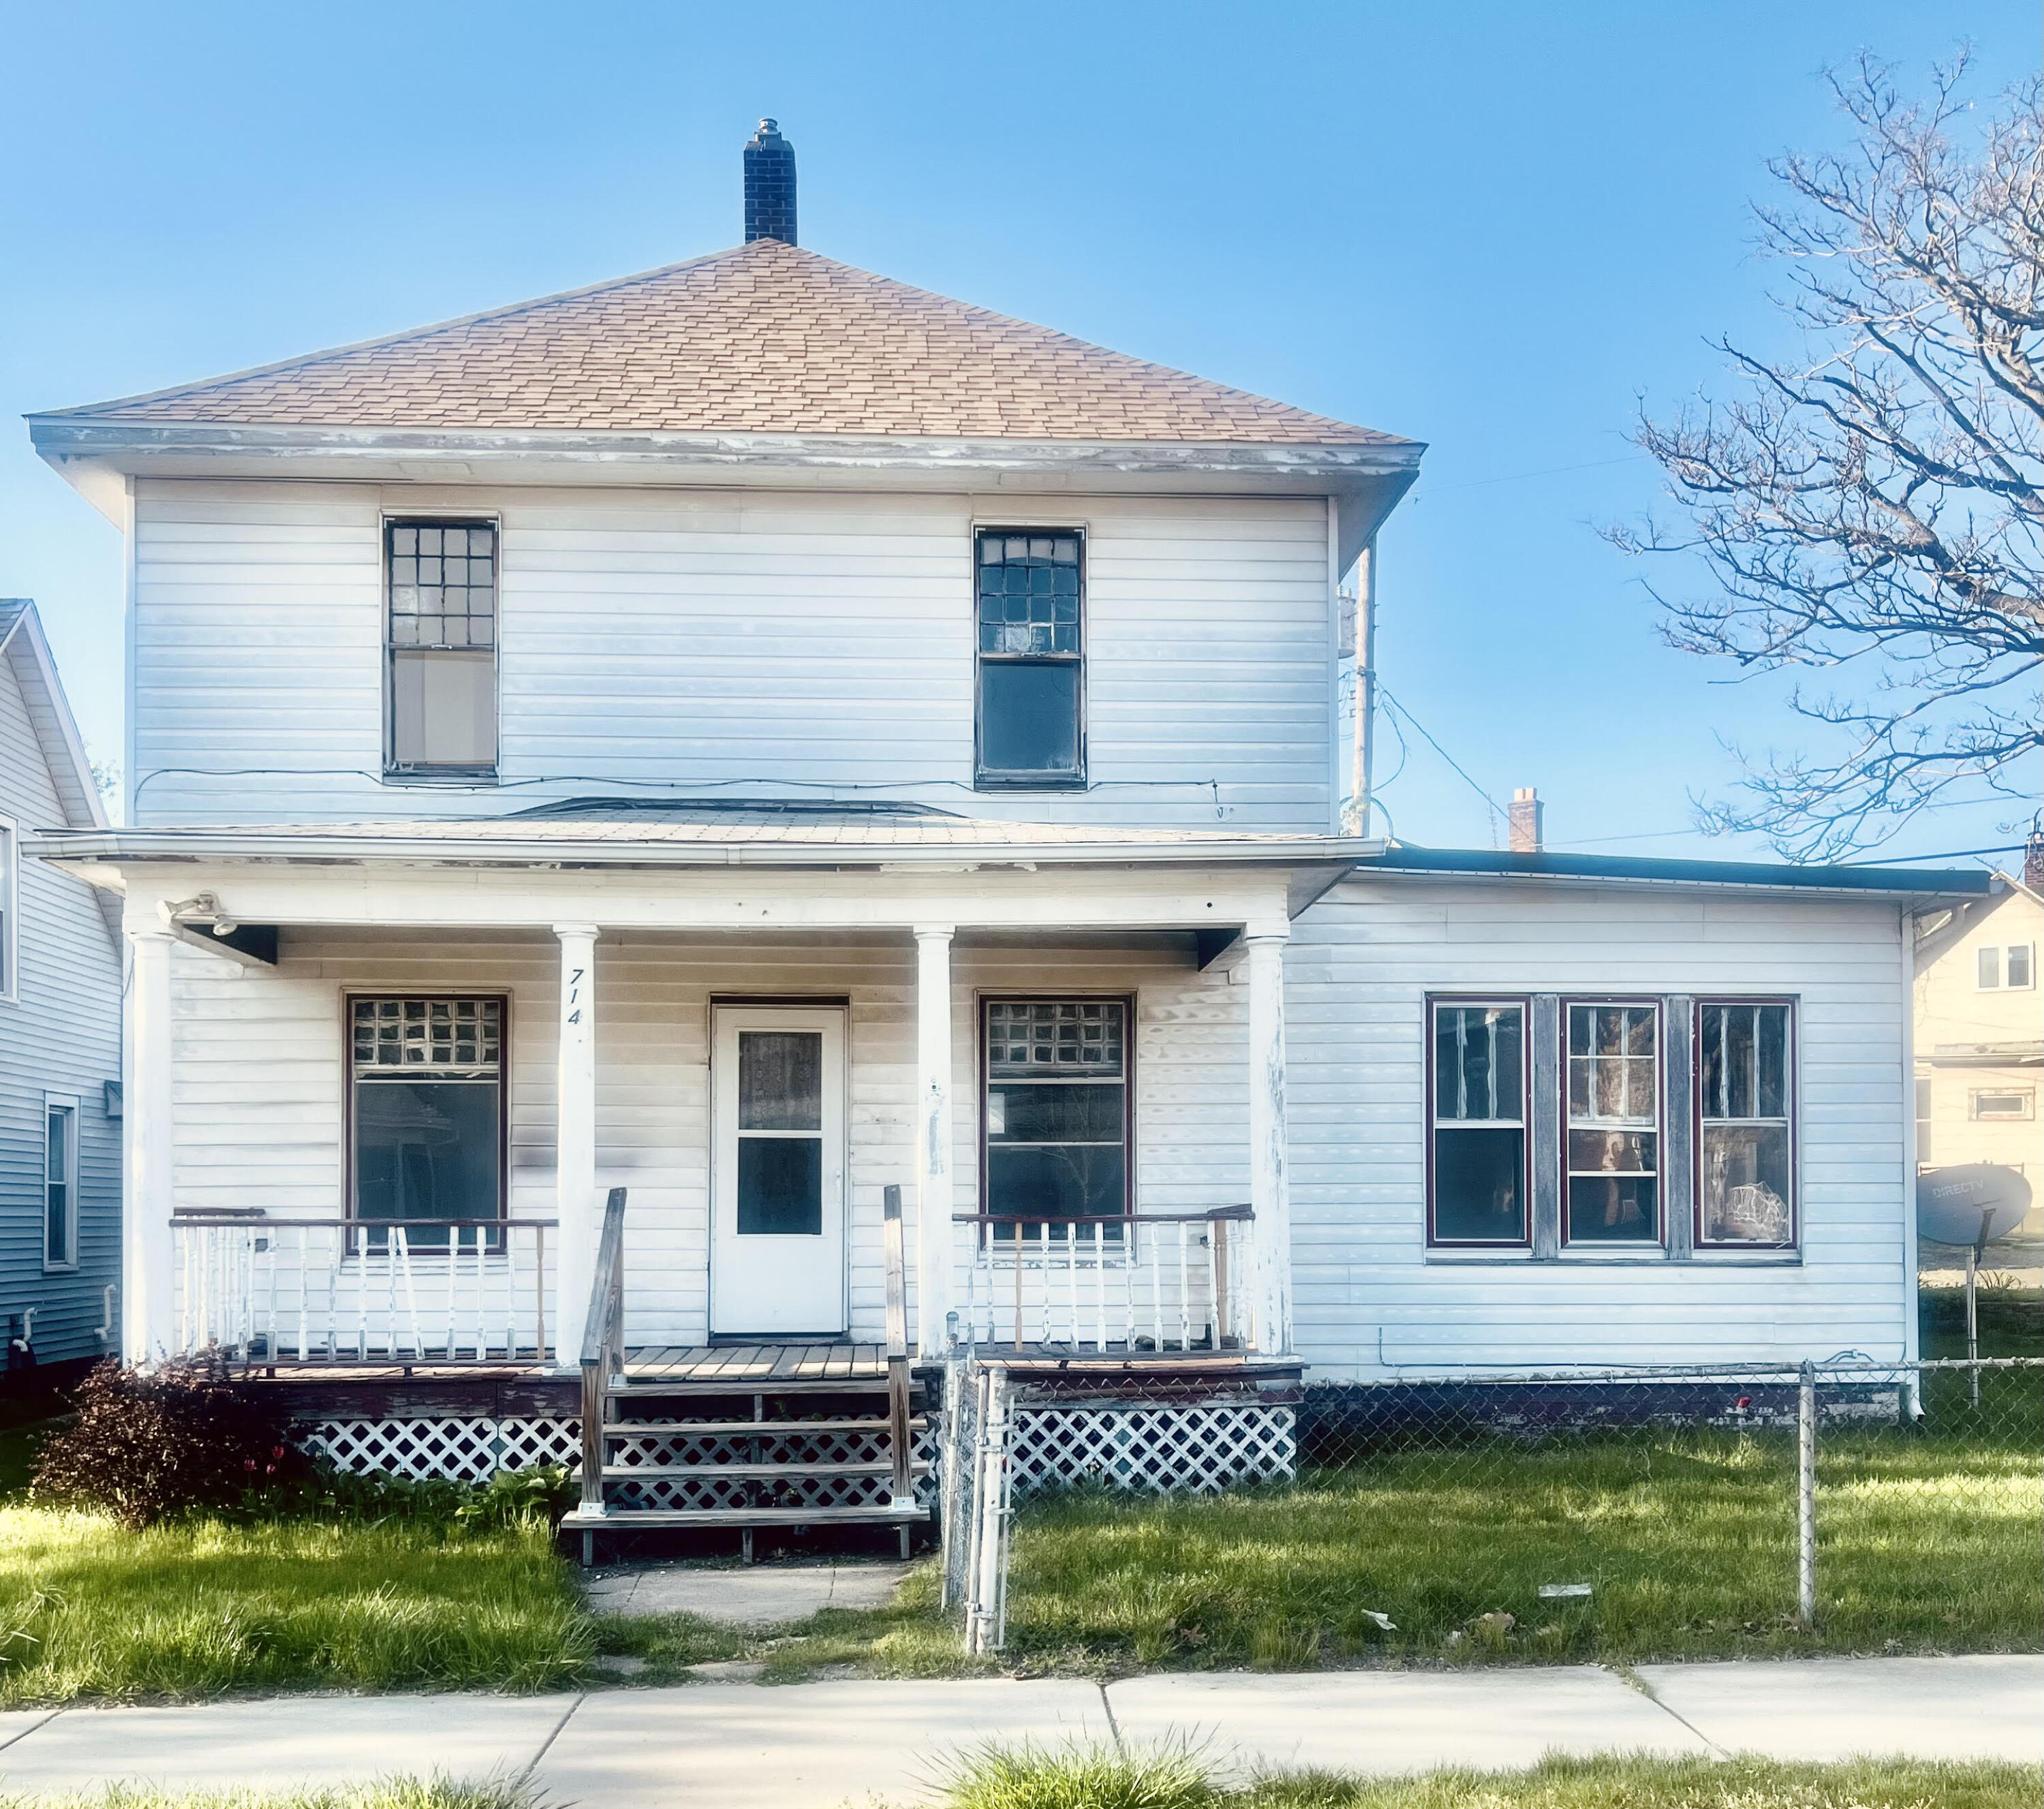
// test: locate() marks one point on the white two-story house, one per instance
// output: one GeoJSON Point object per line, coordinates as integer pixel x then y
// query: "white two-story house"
{"type": "Point", "coordinates": [755, 734]}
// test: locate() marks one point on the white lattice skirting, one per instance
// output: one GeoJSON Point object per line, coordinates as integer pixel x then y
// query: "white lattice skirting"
{"type": "Point", "coordinates": [1159, 1448]}
{"type": "Point", "coordinates": [453, 1450]}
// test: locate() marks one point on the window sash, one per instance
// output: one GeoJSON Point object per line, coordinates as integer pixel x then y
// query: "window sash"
{"type": "Point", "coordinates": [1754, 1105]}
{"type": "Point", "coordinates": [1028, 613]}
{"type": "Point", "coordinates": [1454, 1131]}
{"type": "Point", "coordinates": [1629, 1132]}
{"type": "Point", "coordinates": [60, 1185]}
{"type": "Point", "coordinates": [427, 1040]}
{"type": "Point", "coordinates": [1096, 1075]}
{"type": "Point", "coordinates": [2019, 967]}
{"type": "Point", "coordinates": [440, 636]}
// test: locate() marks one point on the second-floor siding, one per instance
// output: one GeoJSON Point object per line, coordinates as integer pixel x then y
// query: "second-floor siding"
{"type": "Point", "coordinates": [736, 643]}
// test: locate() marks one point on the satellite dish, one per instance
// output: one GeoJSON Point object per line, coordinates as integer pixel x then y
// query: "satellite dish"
{"type": "Point", "coordinates": [1972, 1205]}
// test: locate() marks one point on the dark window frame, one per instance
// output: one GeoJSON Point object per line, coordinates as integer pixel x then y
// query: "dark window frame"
{"type": "Point", "coordinates": [356, 1242]}
{"type": "Point", "coordinates": [1619, 1247]}
{"type": "Point", "coordinates": [1523, 1003]}
{"type": "Point", "coordinates": [984, 1068]}
{"type": "Point", "coordinates": [985, 779]}
{"type": "Point", "coordinates": [425, 772]}
{"type": "Point", "coordinates": [1792, 1096]}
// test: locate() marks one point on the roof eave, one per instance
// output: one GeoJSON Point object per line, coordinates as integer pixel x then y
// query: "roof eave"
{"type": "Point", "coordinates": [1924, 886]}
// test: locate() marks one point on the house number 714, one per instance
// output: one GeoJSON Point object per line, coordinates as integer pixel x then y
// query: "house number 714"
{"type": "Point", "coordinates": [574, 994]}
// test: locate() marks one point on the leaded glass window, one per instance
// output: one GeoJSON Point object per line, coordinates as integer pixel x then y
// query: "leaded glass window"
{"type": "Point", "coordinates": [428, 1111]}
{"type": "Point", "coordinates": [1056, 1108]}
{"type": "Point", "coordinates": [1029, 591]}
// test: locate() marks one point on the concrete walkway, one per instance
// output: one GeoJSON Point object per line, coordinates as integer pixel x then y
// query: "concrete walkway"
{"type": "Point", "coordinates": [819, 1745]}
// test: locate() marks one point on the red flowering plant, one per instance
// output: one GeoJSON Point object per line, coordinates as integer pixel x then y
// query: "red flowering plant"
{"type": "Point", "coordinates": [149, 1444]}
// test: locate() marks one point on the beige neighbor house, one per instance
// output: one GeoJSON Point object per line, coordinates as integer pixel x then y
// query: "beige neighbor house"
{"type": "Point", "coordinates": [1979, 1042]}
{"type": "Point", "coordinates": [772, 743]}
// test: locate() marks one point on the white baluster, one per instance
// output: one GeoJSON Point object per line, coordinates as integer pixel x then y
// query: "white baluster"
{"type": "Point", "coordinates": [1185, 1292]}
{"type": "Point", "coordinates": [1151, 1268]}
{"type": "Point", "coordinates": [1099, 1285]}
{"type": "Point", "coordinates": [482, 1295]}
{"type": "Point", "coordinates": [1072, 1284]}
{"type": "Point", "coordinates": [1212, 1238]}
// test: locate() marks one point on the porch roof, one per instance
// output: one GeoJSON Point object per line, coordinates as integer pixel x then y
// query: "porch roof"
{"type": "Point", "coordinates": [695, 833]}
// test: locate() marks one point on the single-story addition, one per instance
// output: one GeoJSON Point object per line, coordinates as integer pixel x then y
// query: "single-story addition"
{"type": "Point", "coordinates": [1243, 1109]}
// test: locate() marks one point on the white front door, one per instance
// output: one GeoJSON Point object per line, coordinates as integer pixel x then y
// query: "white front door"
{"type": "Point", "coordinates": [777, 1170]}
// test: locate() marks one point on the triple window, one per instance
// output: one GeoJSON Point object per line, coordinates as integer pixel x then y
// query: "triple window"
{"type": "Point", "coordinates": [1603, 1117]}
{"type": "Point", "coordinates": [440, 647]}
{"type": "Point", "coordinates": [426, 1107]}
{"type": "Point", "coordinates": [1030, 593]}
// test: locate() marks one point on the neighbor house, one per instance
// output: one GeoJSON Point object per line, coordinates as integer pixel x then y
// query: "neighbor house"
{"type": "Point", "coordinates": [59, 1036]}
{"type": "Point", "coordinates": [1980, 1040]}
{"type": "Point", "coordinates": [756, 734]}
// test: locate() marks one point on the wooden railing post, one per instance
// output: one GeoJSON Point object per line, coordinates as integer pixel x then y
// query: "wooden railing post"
{"type": "Point", "coordinates": [899, 1435]}
{"type": "Point", "coordinates": [602, 1349]}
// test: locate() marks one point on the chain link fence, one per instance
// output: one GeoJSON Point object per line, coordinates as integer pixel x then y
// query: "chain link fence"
{"type": "Point", "coordinates": [1852, 1505]}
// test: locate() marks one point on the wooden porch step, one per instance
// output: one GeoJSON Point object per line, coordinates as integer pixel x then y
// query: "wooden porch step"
{"type": "Point", "coordinates": [627, 1519]}
{"type": "Point", "coordinates": [768, 1472]}
{"type": "Point", "coordinates": [750, 1428]}
{"type": "Point", "coordinates": [647, 1388]}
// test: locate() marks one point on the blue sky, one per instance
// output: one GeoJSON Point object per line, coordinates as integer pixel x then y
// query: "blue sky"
{"type": "Point", "coordinates": [1493, 228]}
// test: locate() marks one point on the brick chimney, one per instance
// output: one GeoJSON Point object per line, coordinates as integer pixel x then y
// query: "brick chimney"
{"type": "Point", "coordinates": [770, 185]}
{"type": "Point", "coordinates": [1527, 811]}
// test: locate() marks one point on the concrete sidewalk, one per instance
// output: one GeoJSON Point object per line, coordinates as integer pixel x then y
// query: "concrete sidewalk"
{"type": "Point", "coordinates": [819, 1745]}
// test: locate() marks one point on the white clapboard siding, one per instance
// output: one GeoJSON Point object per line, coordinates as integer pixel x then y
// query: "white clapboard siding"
{"type": "Point", "coordinates": [260, 1073]}
{"type": "Point", "coordinates": [1369, 1301]}
{"type": "Point", "coordinates": [752, 643]}
{"type": "Point", "coordinates": [61, 1033]}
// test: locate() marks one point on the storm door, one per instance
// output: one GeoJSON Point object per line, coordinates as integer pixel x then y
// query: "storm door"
{"type": "Point", "coordinates": [777, 1171]}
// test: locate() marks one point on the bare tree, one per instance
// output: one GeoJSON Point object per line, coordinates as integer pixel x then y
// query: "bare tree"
{"type": "Point", "coordinates": [1876, 503]}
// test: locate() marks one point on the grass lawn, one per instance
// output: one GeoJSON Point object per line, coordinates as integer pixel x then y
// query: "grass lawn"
{"type": "Point", "coordinates": [204, 1606]}
{"type": "Point", "coordinates": [1927, 1540]}
{"type": "Point", "coordinates": [397, 1793]}
{"type": "Point", "coordinates": [1079, 1780]}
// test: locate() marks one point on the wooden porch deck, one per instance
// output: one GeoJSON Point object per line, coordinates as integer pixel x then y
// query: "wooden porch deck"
{"type": "Point", "coordinates": [738, 1365]}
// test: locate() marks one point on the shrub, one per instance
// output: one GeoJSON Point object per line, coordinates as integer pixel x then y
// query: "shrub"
{"type": "Point", "coordinates": [544, 1492]}
{"type": "Point", "coordinates": [149, 1444]}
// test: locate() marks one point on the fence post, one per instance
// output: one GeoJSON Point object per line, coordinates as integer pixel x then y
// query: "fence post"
{"type": "Point", "coordinates": [1806, 1498]}
{"type": "Point", "coordinates": [985, 1607]}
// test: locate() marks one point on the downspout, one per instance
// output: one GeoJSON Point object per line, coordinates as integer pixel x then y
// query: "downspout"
{"type": "Point", "coordinates": [1355, 818]}
{"type": "Point", "coordinates": [1911, 1307]}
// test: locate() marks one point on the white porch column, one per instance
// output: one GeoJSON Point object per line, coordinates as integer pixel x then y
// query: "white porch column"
{"type": "Point", "coordinates": [575, 1264]}
{"type": "Point", "coordinates": [1268, 1194]}
{"type": "Point", "coordinates": [148, 1273]}
{"type": "Point", "coordinates": [933, 1136]}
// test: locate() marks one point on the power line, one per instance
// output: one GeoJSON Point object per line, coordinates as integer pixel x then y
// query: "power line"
{"type": "Point", "coordinates": [1496, 809]}
{"type": "Point", "coordinates": [1949, 854]}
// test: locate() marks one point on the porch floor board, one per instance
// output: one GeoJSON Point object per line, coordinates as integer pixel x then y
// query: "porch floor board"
{"type": "Point", "coordinates": [738, 1365]}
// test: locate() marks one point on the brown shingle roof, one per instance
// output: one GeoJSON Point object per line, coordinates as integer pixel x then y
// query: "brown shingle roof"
{"type": "Point", "coordinates": [764, 339]}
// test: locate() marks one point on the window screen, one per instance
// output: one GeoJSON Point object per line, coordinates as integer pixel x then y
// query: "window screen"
{"type": "Point", "coordinates": [1614, 1124]}
{"type": "Point", "coordinates": [1479, 1129]}
{"type": "Point", "coordinates": [1745, 1139]}
{"type": "Point", "coordinates": [441, 645]}
{"type": "Point", "coordinates": [1056, 1110]}
{"type": "Point", "coordinates": [1031, 654]}
{"type": "Point", "coordinates": [428, 1111]}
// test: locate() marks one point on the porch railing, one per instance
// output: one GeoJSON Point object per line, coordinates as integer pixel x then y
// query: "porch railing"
{"type": "Point", "coordinates": [602, 1349]}
{"type": "Point", "coordinates": [292, 1291]}
{"type": "Point", "coordinates": [1152, 1282]}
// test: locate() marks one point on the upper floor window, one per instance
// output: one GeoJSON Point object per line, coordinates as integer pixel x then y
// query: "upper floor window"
{"type": "Point", "coordinates": [1032, 658]}
{"type": "Point", "coordinates": [441, 646]}
{"type": "Point", "coordinates": [2011, 967]}
{"type": "Point", "coordinates": [1477, 1090]}
{"type": "Point", "coordinates": [1745, 1145]}
{"type": "Point", "coordinates": [1613, 1133]}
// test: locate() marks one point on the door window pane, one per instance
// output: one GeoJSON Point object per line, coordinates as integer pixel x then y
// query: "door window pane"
{"type": "Point", "coordinates": [1479, 1129]}
{"type": "Point", "coordinates": [780, 1080]}
{"type": "Point", "coordinates": [780, 1187]}
{"type": "Point", "coordinates": [1613, 1143]}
